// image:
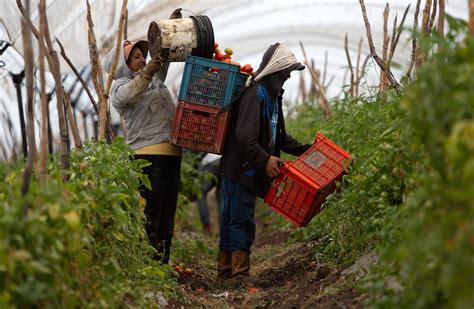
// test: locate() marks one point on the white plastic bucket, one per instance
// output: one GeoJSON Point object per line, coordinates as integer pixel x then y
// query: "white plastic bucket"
{"type": "Point", "coordinates": [177, 38]}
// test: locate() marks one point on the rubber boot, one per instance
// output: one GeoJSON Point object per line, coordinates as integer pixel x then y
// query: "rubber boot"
{"type": "Point", "coordinates": [163, 247]}
{"type": "Point", "coordinates": [224, 266]}
{"type": "Point", "coordinates": [241, 268]}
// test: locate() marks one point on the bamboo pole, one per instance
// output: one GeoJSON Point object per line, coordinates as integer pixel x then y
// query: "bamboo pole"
{"type": "Point", "coordinates": [322, 98]}
{"type": "Point", "coordinates": [351, 69]}
{"type": "Point", "coordinates": [30, 125]}
{"type": "Point", "coordinates": [373, 53]}
{"type": "Point", "coordinates": [44, 103]}
{"type": "Point", "coordinates": [414, 42]}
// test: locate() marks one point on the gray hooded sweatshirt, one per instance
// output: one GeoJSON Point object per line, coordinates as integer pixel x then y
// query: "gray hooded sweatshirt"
{"type": "Point", "coordinates": [143, 101]}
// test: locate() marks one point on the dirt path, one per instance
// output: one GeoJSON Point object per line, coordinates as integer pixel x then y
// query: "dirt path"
{"type": "Point", "coordinates": [286, 275]}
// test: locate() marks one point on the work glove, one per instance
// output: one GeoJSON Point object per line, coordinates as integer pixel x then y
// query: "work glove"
{"type": "Point", "coordinates": [153, 66]}
{"type": "Point", "coordinates": [176, 14]}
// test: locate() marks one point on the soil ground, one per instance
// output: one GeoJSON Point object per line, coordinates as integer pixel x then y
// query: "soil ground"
{"type": "Point", "coordinates": [286, 274]}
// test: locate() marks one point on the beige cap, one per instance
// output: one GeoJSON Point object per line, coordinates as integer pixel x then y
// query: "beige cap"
{"type": "Point", "coordinates": [128, 46]}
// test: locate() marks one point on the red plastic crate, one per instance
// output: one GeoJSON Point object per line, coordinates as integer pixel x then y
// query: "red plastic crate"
{"type": "Point", "coordinates": [303, 185]}
{"type": "Point", "coordinates": [200, 127]}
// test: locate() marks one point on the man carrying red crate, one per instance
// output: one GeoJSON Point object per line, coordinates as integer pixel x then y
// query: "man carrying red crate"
{"type": "Point", "coordinates": [255, 137]}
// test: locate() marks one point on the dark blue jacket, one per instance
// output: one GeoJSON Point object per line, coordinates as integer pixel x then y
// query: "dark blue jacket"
{"type": "Point", "coordinates": [248, 144]}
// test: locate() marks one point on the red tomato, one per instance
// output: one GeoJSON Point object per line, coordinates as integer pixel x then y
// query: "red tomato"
{"type": "Point", "coordinates": [219, 57]}
{"type": "Point", "coordinates": [247, 68]}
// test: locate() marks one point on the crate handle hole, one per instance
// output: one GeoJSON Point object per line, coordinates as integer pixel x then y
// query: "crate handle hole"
{"type": "Point", "coordinates": [200, 113]}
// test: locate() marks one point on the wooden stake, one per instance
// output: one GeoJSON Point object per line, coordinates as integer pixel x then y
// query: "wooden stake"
{"type": "Point", "coordinates": [44, 103]}
{"type": "Point", "coordinates": [97, 78]}
{"type": "Point", "coordinates": [52, 62]}
{"type": "Point", "coordinates": [426, 16]}
{"type": "Point", "coordinates": [414, 42]}
{"type": "Point", "coordinates": [432, 18]}
{"type": "Point", "coordinates": [30, 125]}
{"type": "Point", "coordinates": [322, 98]}
{"type": "Point", "coordinates": [386, 39]}
{"type": "Point", "coordinates": [373, 53]}
{"type": "Point", "coordinates": [110, 78]}
{"type": "Point", "coordinates": [421, 56]}
{"type": "Point", "coordinates": [440, 27]}
{"type": "Point", "coordinates": [60, 93]}
{"type": "Point", "coordinates": [351, 69]}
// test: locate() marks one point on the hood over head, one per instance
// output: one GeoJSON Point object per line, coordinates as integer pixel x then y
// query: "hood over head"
{"type": "Point", "coordinates": [125, 49]}
{"type": "Point", "coordinates": [277, 64]}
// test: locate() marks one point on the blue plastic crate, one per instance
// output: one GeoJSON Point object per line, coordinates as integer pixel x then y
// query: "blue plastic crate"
{"type": "Point", "coordinates": [210, 82]}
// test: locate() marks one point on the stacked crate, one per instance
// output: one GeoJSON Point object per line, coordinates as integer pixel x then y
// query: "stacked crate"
{"type": "Point", "coordinates": [303, 185]}
{"type": "Point", "coordinates": [203, 113]}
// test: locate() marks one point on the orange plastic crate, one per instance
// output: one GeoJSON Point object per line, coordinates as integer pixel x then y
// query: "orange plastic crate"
{"type": "Point", "coordinates": [303, 185]}
{"type": "Point", "coordinates": [200, 127]}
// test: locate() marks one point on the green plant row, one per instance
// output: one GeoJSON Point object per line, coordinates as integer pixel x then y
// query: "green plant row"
{"type": "Point", "coordinates": [81, 242]}
{"type": "Point", "coordinates": [410, 192]}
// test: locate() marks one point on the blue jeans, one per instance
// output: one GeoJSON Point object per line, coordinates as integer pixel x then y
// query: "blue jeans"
{"type": "Point", "coordinates": [237, 230]}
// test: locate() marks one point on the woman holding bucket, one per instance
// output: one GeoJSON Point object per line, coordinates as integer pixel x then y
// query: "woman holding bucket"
{"type": "Point", "coordinates": [142, 99]}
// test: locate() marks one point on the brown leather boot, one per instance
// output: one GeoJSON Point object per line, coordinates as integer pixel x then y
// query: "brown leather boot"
{"type": "Point", "coordinates": [241, 268]}
{"type": "Point", "coordinates": [223, 266]}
